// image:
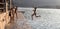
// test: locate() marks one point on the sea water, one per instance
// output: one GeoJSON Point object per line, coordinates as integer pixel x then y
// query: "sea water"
{"type": "Point", "coordinates": [50, 18]}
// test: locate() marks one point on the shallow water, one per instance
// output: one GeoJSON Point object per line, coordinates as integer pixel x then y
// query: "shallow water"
{"type": "Point", "coordinates": [50, 18]}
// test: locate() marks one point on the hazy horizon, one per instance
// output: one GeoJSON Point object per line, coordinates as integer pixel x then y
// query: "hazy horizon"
{"type": "Point", "coordinates": [37, 3]}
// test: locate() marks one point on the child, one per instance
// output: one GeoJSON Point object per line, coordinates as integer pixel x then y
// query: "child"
{"type": "Point", "coordinates": [35, 13]}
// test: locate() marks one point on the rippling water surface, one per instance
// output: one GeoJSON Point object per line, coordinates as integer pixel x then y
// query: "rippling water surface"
{"type": "Point", "coordinates": [50, 18]}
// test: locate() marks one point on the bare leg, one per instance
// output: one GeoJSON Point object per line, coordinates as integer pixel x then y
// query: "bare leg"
{"type": "Point", "coordinates": [16, 15]}
{"type": "Point", "coordinates": [32, 16]}
{"type": "Point", "coordinates": [37, 16]}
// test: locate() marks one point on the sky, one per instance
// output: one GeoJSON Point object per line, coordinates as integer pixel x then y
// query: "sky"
{"type": "Point", "coordinates": [36, 3]}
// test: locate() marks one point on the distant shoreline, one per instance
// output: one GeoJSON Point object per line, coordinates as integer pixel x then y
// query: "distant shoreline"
{"type": "Point", "coordinates": [30, 8]}
{"type": "Point", "coordinates": [38, 7]}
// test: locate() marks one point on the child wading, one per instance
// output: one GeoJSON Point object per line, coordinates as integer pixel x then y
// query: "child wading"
{"type": "Point", "coordinates": [13, 13]}
{"type": "Point", "coordinates": [35, 13]}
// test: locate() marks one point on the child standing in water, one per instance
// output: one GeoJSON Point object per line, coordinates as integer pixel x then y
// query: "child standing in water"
{"type": "Point", "coordinates": [35, 13]}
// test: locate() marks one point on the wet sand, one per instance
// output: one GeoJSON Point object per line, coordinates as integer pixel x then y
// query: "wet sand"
{"type": "Point", "coordinates": [19, 23]}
